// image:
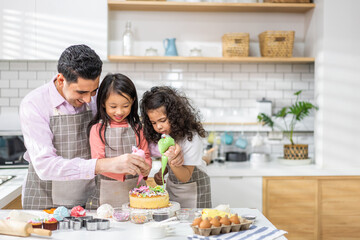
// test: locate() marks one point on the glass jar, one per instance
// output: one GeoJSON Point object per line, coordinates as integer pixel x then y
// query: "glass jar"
{"type": "Point", "coordinates": [140, 216]}
{"type": "Point", "coordinates": [121, 214]}
{"type": "Point", "coordinates": [160, 215]}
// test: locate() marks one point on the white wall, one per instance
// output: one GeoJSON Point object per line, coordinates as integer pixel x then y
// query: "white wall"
{"type": "Point", "coordinates": [337, 78]}
{"type": "Point", "coordinates": [42, 29]}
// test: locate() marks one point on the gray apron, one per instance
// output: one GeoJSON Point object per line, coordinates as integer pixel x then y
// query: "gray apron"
{"type": "Point", "coordinates": [70, 141]}
{"type": "Point", "coordinates": [196, 193]}
{"type": "Point", "coordinates": [120, 141]}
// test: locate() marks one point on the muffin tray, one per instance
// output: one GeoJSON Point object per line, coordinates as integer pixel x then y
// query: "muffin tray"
{"type": "Point", "coordinates": [222, 229]}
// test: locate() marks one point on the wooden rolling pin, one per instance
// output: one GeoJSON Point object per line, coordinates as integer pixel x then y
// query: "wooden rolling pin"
{"type": "Point", "coordinates": [22, 229]}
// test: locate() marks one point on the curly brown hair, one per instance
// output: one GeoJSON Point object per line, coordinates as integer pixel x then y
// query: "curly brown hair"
{"type": "Point", "coordinates": [184, 119]}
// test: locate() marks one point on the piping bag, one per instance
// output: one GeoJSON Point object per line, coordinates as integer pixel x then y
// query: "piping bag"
{"type": "Point", "coordinates": [164, 143]}
{"type": "Point", "coordinates": [140, 153]}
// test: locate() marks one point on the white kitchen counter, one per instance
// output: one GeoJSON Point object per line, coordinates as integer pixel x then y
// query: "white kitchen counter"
{"type": "Point", "coordinates": [128, 230]}
{"type": "Point", "coordinates": [12, 188]}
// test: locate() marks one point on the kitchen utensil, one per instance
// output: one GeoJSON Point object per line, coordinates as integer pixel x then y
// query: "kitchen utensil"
{"type": "Point", "coordinates": [211, 137]}
{"type": "Point", "coordinates": [183, 214]}
{"type": "Point", "coordinates": [76, 224]}
{"type": "Point", "coordinates": [170, 47]}
{"type": "Point", "coordinates": [235, 156]}
{"type": "Point", "coordinates": [91, 225]}
{"type": "Point", "coordinates": [259, 158]}
{"type": "Point", "coordinates": [121, 214]}
{"type": "Point", "coordinates": [241, 142]}
{"type": "Point", "coordinates": [22, 229]}
{"type": "Point", "coordinates": [195, 52]}
{"type": "Point", "coordinates": [257, 140]}
{"type": "Point", "coordinates": [160, 215]}
{"type": "Point", "coordinates": [264, 106]}
{"type": "Point", "coordinates": [227, 138]}
{"type": "Point", "coordinates": [63, 225]}
{"type": "Point", "coordinates": [151, 52]}
{"type": "Point", "coordinates": [154, 230]}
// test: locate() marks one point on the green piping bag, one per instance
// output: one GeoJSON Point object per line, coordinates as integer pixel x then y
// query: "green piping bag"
{"type": "Point", "coordinates": [164, 143]}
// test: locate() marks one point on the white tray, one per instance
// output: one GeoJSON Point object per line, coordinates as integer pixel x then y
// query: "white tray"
{"type": "Point", "coordinates": [294, 162]}
{"type": "Point", "coordinates": [174, 206]}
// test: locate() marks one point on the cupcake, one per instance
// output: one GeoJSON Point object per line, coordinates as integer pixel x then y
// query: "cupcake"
{"type": "Point", "coordinates": [50, 224]}
{"type": "Point", "coordinates": [60, 213]}
{"type": "Point", "coordinates": [36, 223]}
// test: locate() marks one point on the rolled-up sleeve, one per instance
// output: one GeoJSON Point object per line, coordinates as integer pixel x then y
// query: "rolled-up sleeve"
{"type": "Point", "coordinates": [41, 151]}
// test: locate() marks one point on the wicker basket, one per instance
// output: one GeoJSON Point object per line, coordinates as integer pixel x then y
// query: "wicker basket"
{"type": "Point", "coordinates": [287, 1]}
{"type": "Point", "coordinates": [235, 45]}
{"type": "Point", "coordinates": [296, 151]}
{"type": "Point", "coordinates": [276, 43]}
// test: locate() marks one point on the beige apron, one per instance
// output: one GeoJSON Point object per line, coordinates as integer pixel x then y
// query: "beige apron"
{"type": "Point", "coordinates": [70, 141]}
{"type": "Point", "coordinates": [120, 141]}
{"type": "Point", "coordinates": [196, 193]}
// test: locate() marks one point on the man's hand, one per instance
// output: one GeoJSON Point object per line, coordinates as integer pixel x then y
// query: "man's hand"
{"type": "Point", "coordinates": [124, 164]}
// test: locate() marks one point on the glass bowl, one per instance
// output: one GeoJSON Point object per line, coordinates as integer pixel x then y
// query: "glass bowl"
{"type": "Point", "coordinates": [121, 214]}
{"type": "Point", "coordinates": [160, 215]}
{"type": "Point", "coordinates": [183, 214]}
{"type": "Point", "coordinates": [140, 216]}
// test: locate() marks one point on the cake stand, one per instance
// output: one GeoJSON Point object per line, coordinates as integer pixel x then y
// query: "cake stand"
{"type": "Point", "coordinates": [173, 207]}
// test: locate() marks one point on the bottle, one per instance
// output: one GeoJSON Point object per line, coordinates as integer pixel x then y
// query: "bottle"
{"type": "Point", "coordinates": [128, 40]}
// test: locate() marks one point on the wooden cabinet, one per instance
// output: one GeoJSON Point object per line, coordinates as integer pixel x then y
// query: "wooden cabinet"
{"type": "Point", "coordinates": [197, 30]}
{"type": "Point", "coordinates": [314, 207]}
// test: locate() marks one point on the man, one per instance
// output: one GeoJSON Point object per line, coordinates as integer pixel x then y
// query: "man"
{"type": "Point", "coordinates": [54, 118]}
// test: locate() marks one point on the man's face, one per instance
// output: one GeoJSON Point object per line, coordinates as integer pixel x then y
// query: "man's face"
{"type": "Point", "coordinates": [77, 93]}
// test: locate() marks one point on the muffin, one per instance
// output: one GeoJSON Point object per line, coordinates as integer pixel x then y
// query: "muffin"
{"type": "Point", "coordinates": [50, 224]}
{"type": "Point", "coordinates": [36, 223]}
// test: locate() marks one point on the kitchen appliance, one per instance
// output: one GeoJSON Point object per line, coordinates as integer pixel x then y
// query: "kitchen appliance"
{"type": "Point", "coordinates": [259, 158]}
{"type": "Point", "coordinates": [264, 106]}
{"type": "Point", "coordinates": [12, 149]}
{"type": "Point", "coordinates": [235, 156]}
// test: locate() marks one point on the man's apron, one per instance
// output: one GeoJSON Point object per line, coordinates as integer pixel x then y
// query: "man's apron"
{"type": "Point", "coordinates": [196, 193]}
{"type": "Point", "coordinates": [70, 141]}
{"type": "Point", "coordinates": [120, 141]}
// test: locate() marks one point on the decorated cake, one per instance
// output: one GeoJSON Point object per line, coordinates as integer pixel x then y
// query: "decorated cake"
{"type": "Point", "coordinates": [148, 197]}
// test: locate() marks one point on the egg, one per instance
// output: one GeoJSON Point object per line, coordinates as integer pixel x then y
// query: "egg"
{"type": "Point", "coordinates": [205, 223]}
{"type": "Point", "coordinates": [235, 219]}
{"type": "Point", "coordinates": [215, 222]}
{"type": "Point", "coordinates": [225, 220]}
{"type": "Point", "coordinates": [197, 221]}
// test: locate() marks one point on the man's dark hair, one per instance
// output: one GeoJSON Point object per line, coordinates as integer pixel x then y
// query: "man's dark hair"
{"type": "Point", "coordinates": [79, 61]}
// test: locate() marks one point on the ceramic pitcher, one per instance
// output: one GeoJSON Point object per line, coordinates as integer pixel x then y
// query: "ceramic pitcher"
{"type": "Point", "coordinates": [170, 47]}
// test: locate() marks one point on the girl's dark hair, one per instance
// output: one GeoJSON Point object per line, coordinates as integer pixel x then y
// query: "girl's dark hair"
{"type": "Point", "coordinates": [184, 119]}
{"type": "Point", "coordinates": [120, 84]}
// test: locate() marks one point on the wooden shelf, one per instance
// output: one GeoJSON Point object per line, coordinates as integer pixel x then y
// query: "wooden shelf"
{"type": "Point", "coordinates": [211, 59]}
{"type": "Point", "coordinates": [208, 7]}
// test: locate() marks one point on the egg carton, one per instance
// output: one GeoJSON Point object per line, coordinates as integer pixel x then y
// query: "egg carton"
{"type": "Point", "coordinates": [223, 229]}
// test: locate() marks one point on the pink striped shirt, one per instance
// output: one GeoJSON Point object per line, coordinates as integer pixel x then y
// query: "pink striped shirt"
{"type": "Point", "coordinates": [35, 111]}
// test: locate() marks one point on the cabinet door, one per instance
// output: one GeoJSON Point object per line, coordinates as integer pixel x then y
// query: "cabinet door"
{"type": "Point", "coordinates": [340, 209]}
{"type": "Point", "coordinates": [238, 192]}
{"type": "Point", "coordinates": [291, 205]}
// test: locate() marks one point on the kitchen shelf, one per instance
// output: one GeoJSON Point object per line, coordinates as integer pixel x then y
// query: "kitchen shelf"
{"type": "Point", "coordinates": [158, 59]}
{"type": "Point", "coordinates": [208, 7]}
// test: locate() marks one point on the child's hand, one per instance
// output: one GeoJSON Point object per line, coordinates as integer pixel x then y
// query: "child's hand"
{"type": "Point", "coordinates": [158, 178]}
{"type": "Point", "coordinates": [177, 159]}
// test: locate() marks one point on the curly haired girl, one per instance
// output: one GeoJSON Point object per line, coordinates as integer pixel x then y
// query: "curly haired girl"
{"type": "Point", "coordinates": [167, 111]}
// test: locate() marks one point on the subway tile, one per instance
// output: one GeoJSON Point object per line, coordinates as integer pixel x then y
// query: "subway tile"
{"type": "Point", "coordinates": [282, 85]}
{"type": "Point", "coordinates": [144, 84]}
{"type": "Point", "coordinates": [191, 94]}
{"type": "Point", "coordinates": [196, 67]}
{"type": "Point", "coordinates": [51, 66]}
{"type": "Point", "coordinates": [187, 76]}
{"type": "Point", "coordinates": [308, 77]}
{"type": "Point", "coordinates": [15, 102]}
{"type": "Point", "coordinates": [257, 94]}
{"type": "Point", "coordinates": [249, 67]}
{"type": "Point", "coordinates": [27, 75]}
{"type": "Point", "coordinates": [205, 94]}
{"type": "Point", "coordinates": [9, 110]}
{"type": "Point", "coordinates": [311, 86]}
{"type": "Point", "coordinates": [41, 75]}
{"type": "Point", "coordinates": [214, 67]}
{"type": "Point", "coordinates": [312, 68]}
{"type": "Point", "coordinates": [300, 86]}
{"type": "Point", "coordinates": [179, 67]}
{"type": "Point", "coordinates": [4, 65]}
{"type": "Point", "coordinates": [222, 76]}
{"type": "Point", "coordinates": [24, 92]}
{"type": "Point", "coordinates": [4, 102]}
{"type": "Point", "coordinates": [18, 65]}
{"type": "Point", "coordinates": [283, 68]}
{"type": "Point", "coordinates": [264, 68]}
{"type": "Point", "coordinates": [195, 85]}
{"type": "Point", "coordinates": [38, 66]}
{"type": "Point", "coordinates": [289, 94]}
{"type": "Point", "coordinates": [152, 75]}
{"type": "Point", "coordinates": [214, 85]}
{"type": "Point", "coordinates": [4, 83]}
{"type": "Point", "coordinates": [127, 67]}
{"type": "Point", "coordinates": [274, 94]}
{"type": "Point", "coordinates": [231, 102]}
{"type": "Point", "coordinates": [302, 68]}
{"type": "Point", "coordinates": [230, 85]}
{"type": "Point", "coordinates": [35, 83]}
{"type": "Point", "coordinates": [18, 84]}
{"type": "Point", "coordinates": [10, 75]}
{"type": "Point", "coordinates": [266, 85]}
{"type": "Point", "coordinates": [135, 76]}
{"type": "Point", "coordinates": [7, 92]}
{"type": "Point", "coordinates": [143, 67]}
{"type": "Point", "coordinates": [165, 67]}
{"type": "Point", "coordinates": [170, 76]}
{"type": "Point", "coordinates": [274, 77]}
{"type": "Point", "coordinates": [280, 103]}
{"type": "Point", "coordinates": [248, 85]}
{"type": "Point", "coordinates": [292, 77]}
{"type": "Point", "coordinates": [222, 94]}
{"type": "Point", "coordinates": [228, 67]}
{"type": "Point", "coordinates": [257, 77]}
{"type": "Point", "coordinates": [213, 103]}
{"type": "Point", "coordinates": [204, 76]}
{"type": "Point", "coordinates": [197, 103]}
{"type": "Point", "coordinates": [240, 94]}
{"type": "Point", "coordinates": [177, 84]}
{"type": "Point", "coordinates": [249, 103]}
{"type": "Point", "coordinates": [109, 67]}
{"type": "Point", "coordinates": [240, 76]}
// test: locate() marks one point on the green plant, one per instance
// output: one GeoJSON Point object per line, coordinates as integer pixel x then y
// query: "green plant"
{"type": "Point", "coordinates": [299, 110]}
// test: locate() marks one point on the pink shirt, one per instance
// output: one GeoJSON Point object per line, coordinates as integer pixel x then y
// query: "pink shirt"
{"type": "Point", "coordinates": [98, 147]}
{"type": "Point", "coordinates": [35, 111]}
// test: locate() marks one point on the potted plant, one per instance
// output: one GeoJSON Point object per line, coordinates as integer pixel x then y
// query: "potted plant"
{"type": "Point", "coordinates": [298, 111]}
